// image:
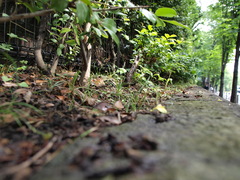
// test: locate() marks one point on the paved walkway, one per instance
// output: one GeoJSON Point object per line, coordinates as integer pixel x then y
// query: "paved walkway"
{"type": "Point", "coordinates": [200, 142]}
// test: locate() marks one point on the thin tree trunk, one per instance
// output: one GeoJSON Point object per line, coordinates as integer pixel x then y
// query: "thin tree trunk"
{"type": "Point", "coordinates": [54, 64]}
{"type": "Point", "coordinates": [235, 73]}
{"type": "Point", "coordinates": [86, 51]}
{"type": "Point", "coordinates": [56, 57]}
{"type": "Point", "coordinates": [39, 42]}
{"type": "Point", "coordinates": [113, 55]}
{"type": "Point", "coordinates": [133, 69]}
{"type": "Point", "coordinates": [225, 55]}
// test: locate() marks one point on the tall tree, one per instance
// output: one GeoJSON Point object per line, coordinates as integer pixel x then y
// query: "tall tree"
{"type": "Point", "coordinates": [236, 15]}
{"type": "Point", "coordinates": [221, 17]}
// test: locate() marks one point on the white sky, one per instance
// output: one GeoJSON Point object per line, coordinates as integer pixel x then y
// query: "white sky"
{"type": "Point", "coordinates": [204, 5]}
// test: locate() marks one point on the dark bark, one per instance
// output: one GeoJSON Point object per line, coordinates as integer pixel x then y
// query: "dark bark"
{"type": "Point", "coordinates": [222, 79]}
{"type": "Point", "coordinates": [38, 45]}
{"type": "Point", "coordinates": [235, 73]}
{"type": "Point", "coordinates": [225, 55]}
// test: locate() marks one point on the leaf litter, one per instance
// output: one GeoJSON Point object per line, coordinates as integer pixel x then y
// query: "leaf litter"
{"type": "Point", "coordinates": [38, 120]}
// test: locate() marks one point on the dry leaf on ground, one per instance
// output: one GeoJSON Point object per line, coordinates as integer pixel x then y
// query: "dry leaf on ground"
{"type": "Point", "coordinates": [118, 105]}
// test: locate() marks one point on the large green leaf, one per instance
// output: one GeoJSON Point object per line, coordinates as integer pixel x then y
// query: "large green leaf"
{"type": "Point", "coordinates": [110, 25]}
{"type": "Point", "coordinates": [115, 38]}
{"type": "Point", "coordinates": [149, 15]}
{"type": "Point", "coordinates": [59, 5]}
{"type": "Point", "coordinates": [83, 12]}
{"type": "Point", "coordinates": [166, 12]}
{"type": "Point", "coordinates": [177, 24]}
{"type": "Point", "coordinates": [87, 2]}
{"type": "Point", "coordinates": [160, 22]}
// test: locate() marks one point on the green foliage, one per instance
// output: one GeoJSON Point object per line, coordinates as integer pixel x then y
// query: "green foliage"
{"type": "Point", "coordinates": [162, 58]}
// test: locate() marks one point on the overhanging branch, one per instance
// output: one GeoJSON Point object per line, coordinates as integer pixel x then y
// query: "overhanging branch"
{"type": "Point", "coordinates": [26, 15]}
{"type": "Point", "coordinates": [49, 11]}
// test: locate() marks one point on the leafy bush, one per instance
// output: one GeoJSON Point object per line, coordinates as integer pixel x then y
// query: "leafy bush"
{"type": "Point", "coordinates": [162, 58]}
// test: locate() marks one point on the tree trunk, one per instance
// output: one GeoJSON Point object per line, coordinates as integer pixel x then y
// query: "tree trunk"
{"type": "Point", "coordinates": [235, 73]}
{"type": "Point", "coordinates": [38, 45]}
{"type": "Point", "coordinates": [133, 69]}
{"type": "Point", "coordinates": [54, 64]}
{"type": "Point", "coordinates": [225, 55]}
{"type": "Point", "coordinates": [222, 80]}
{"type": "Point", "coordinates": [86, 51]}
{"type": "Point", "coordinates": [113, 55]}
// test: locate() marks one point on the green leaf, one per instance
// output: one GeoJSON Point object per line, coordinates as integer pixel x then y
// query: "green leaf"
{"type": "Point", "coordinates": [22, 84]}
{"type": "Point", "coordinates": [149, 15]}
{"type": "Point", "coordinates": [75, 30]}
{"type": "Point", "coordinates": [150, 28]}
{"type": "Point", "coordinates": [87, 2]}
{"type": "Point", "coordinates": [6, 79]}
{"type": "Point", "coordinates": [115, 38]}
{"type": "Point", "coordinates": [59, 51]}
{"type": "Point", "coordinates": [59, 5]}
{"type": "Point", "coordinates": [109, 24]}
{"type": "Point", "coordinates": [5, 15]}
{"type": "Point", "coordinates": [177, 24]}
{"type": "Point", "coordinates": [160, 22]}
{"type": "Point", "coordinates": [6, 47]}
{"type": "Point", "coordinates": [66, 17]}
{"type": "Point", "coordinates": [54, 40]}
{"type": "Point", "coordinates": [98, 31]}
{"type": "Point", "coordinates": [83, 12]}
{"type": "Point", "coordinates": [61, 46]}
{"type": "Point", "coordinates": [166, 12]}
{"type": "Point", "coordinates": [65, 30]}
{"type": "Point", "coordinates": [95, 18]}
{"type": "Point", "coordinates": [12, 35]}
{"type": "Point", "coordinates": [71, 42]}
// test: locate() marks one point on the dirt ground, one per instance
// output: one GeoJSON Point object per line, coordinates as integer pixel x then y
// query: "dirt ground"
{"type": "Point", "coordinates": [199, 139]}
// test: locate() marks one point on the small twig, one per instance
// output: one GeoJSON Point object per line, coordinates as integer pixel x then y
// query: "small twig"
{"type": "Point", "coordinates": [27, 163]}
{"type": "Point", "coordinates": [116, 8]}
{"type": "Point", "coordinates": [22, 27]}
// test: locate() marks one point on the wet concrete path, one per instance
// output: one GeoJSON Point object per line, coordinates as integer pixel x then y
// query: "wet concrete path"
{"type": "Point", "coordinates": [201, 142]}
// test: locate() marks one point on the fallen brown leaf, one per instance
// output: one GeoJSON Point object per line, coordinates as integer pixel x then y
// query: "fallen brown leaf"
{"type": "Point", "coordinates": [103, 106]}
{"type": "Point", "coordinates": [99, 82]}
{"type": "Point", "coordinates": [9, 84]}
{"type": "Point", "coordinates": [111, 119]}
{"type": "Point", "coordinates": [119, 105]}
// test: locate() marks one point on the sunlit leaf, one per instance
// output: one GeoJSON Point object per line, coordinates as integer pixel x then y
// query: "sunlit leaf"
{"type": "Point", "coordinates": [166, 12]}
{"type": "Point", "coordinates": [160, 108]}
{"type": "Point", "coordinates": [177, 24]}
{"type": "Point", "coordinates": [98, 31]}
{"type": "Point", "coordinates": [65, 30]}
{"type": "Point", "coordinates": [149, 15]}
{"type": "Point", "coordinates": [71, 42]}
